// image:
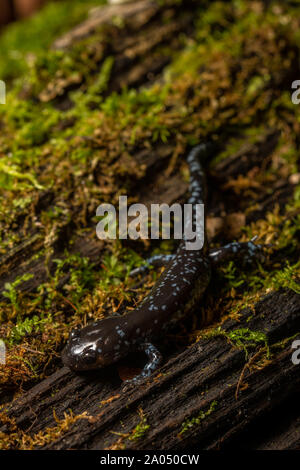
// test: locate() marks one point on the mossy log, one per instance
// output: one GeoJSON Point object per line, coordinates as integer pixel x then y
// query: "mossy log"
{"type": "Point", "coordinates": [202, 396]}
{"type": "Point", "coordinates": [227, 375]}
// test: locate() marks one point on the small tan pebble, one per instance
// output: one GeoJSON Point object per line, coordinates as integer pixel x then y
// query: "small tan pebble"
{"type": "Point", "coordinates": [295, 178]}
{"type": "Point", "coordinates": [214, 226]}
{"type": "Point", "coordinates": [233, 224]}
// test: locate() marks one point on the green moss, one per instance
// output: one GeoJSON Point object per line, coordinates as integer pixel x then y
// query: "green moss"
{"type": "Point", "coordinates": [10, 290]}
{"type": "Point", "coordinates": [141, 429]}
{"type": "Point", "coordinates": [289, 278]}
{"type": "Point", "coordinates": [35, 35]}
{"type": "Point", "coordinates": [241, 338]}
{"type": "Point", "coordinates": [27, 327]}
{"type": "Point", "coordinates": [245, 338]}
{"type": "Point", "coordinates": [9, 173]}
{"type": "Point", "coordinates": [197, 420]}
{"type": "Point", "coordinates": [81, 279]}
{"type": "Point", "coordinates": [93, 95]}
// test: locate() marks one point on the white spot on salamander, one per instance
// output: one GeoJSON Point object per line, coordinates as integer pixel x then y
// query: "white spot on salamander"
{"type": "Point", "coordinates": [120, 332]}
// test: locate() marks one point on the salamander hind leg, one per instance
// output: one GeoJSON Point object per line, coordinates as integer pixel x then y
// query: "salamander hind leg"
{"type": "Point", "coordinates": [154, 361]}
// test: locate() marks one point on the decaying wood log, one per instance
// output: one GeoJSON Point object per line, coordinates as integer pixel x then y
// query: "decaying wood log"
{"type": "Point", "coordinates": [138, 54]}
{"type": "Point", "coordinates": [137, 14]}
{"type": "Point", "coordinates": [201, 382]}
{"type": "Point", "coordinates": [191, 380]}
{"type": "Point", "coordinates": [211, 395]}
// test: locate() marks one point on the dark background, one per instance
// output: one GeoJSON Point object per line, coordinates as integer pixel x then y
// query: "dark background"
{"type": "Point", "coordinates": [12, 10]}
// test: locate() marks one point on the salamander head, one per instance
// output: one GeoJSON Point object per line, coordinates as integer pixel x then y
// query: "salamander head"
{"type": "Point", "coordinates": [95, 346]}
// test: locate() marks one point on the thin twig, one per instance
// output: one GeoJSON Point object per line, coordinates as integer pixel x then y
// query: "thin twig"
{"type": "Point", "coordinates": [247, 366]}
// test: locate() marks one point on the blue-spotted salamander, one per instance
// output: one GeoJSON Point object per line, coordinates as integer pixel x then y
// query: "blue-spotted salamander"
{"type": "Point", "coordinates": [177, 291]}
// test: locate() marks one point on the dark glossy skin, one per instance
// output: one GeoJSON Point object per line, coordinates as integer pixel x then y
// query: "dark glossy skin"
{"type": "Point", "coordinates": [178, 289]}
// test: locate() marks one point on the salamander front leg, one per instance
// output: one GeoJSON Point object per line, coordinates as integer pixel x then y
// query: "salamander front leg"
{"type": "Point", "coordinates": [158, 261]}
{"type": "Point", "coordinates": [246, 252]}
{"type": "Point", "coordinates": [154, 361]}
